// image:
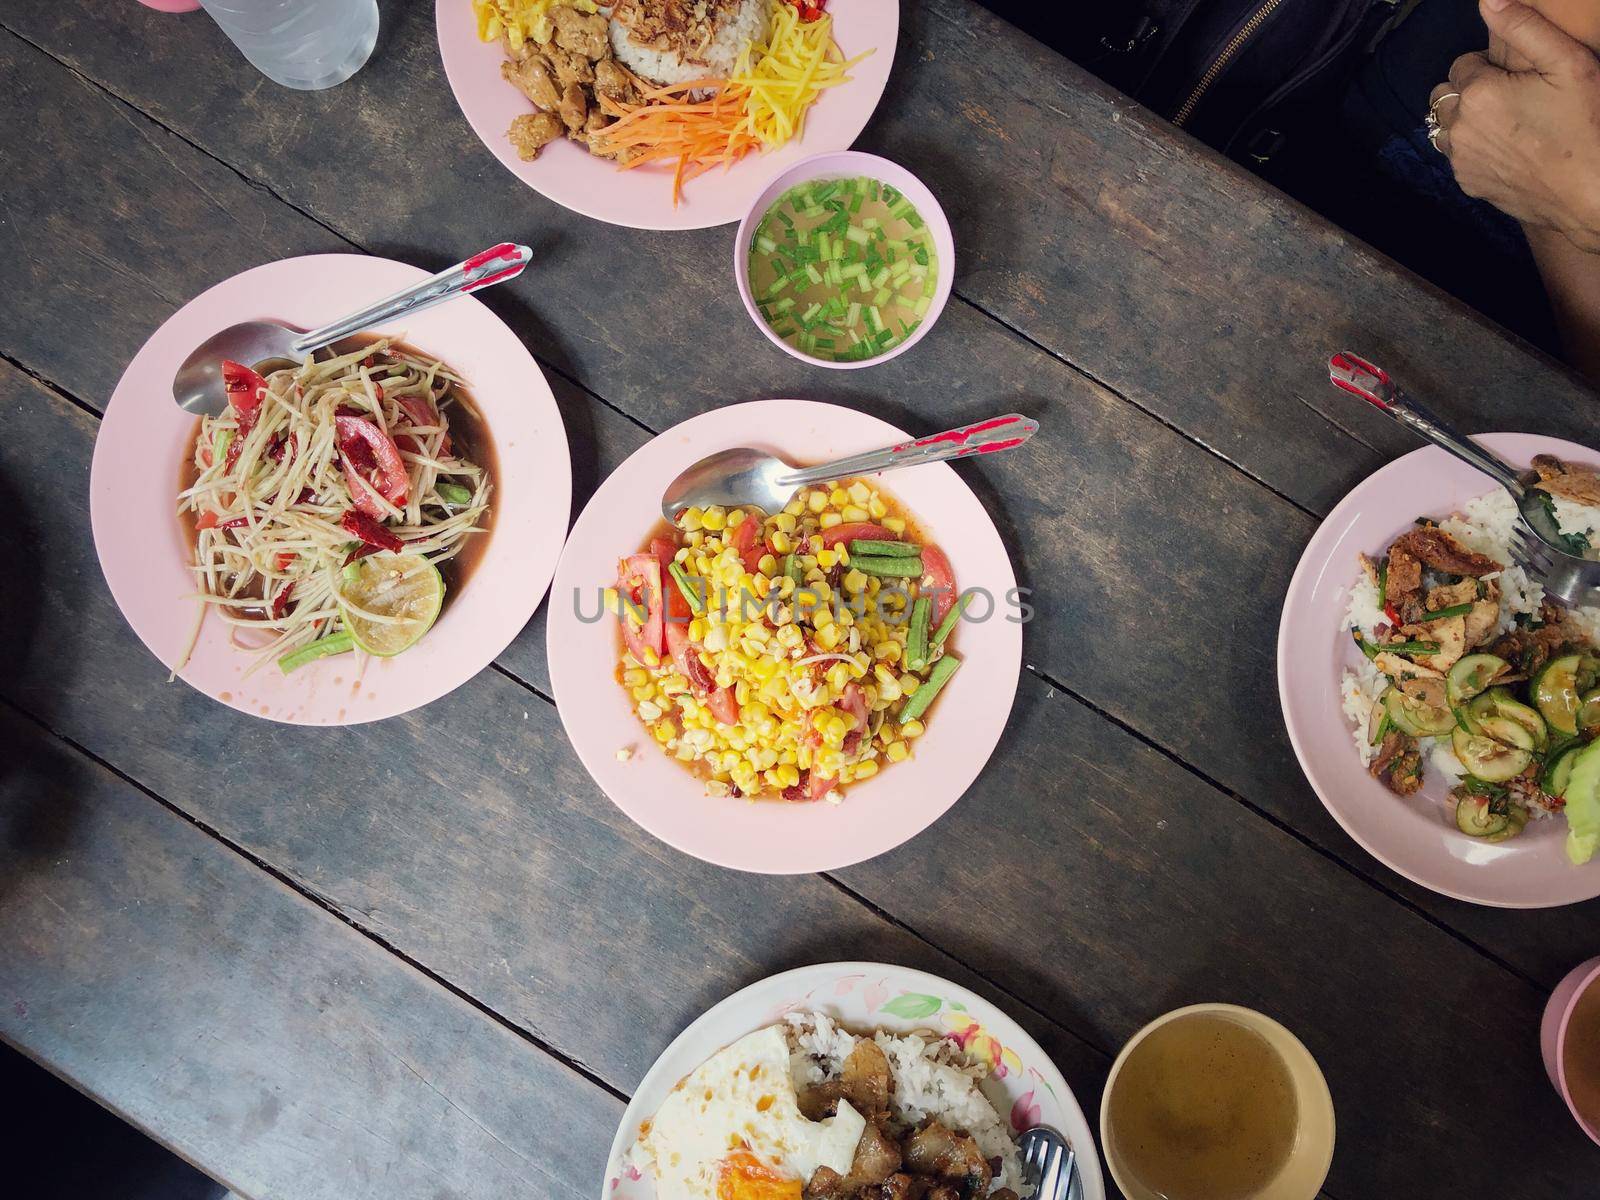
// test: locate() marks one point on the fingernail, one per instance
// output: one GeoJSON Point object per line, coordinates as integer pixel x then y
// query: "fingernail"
{"type": "Point", "coordinates": [1495, 5]}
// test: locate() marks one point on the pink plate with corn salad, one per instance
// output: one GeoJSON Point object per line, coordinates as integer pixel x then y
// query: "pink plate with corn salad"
{"type": "Point", "coordinates": [793, 691]}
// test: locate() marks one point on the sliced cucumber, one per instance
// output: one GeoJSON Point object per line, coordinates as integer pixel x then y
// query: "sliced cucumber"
{"type": "Point", "coordinates": [1474, 818]}
{"type": "Point", "coordinates": [1498, 705]}
{"type": "Point", "coordinates": [1589, 710]}
{"type": "Point", "coordinates": [1491, 760]}
{"type": "Point", "coordinates": [1555, 692]}
{"type": "Point", "coordinates": [1559, 771]}
{"type": "Point", "coordinates": [1582, 795]}
{"type": "Point", "coordinates": [1417, 717]}
{"type": "Point", "coordinates": [1472, 676]}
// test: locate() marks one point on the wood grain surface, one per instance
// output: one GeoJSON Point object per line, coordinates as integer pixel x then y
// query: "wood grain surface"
{"type": "Point", "coordinates": [1143, 837]}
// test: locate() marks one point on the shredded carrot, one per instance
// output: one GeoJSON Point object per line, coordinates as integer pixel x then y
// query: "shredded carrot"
{"type": "Point", "coordinates": [762, 106]}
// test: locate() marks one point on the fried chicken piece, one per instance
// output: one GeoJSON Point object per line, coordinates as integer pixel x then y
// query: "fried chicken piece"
{"type": "Point", "coordinates": [574, 108]}
{"type": "Point", "coordinates": [531, 76]}
{"type": "Point", "coordinates": [612, 81]}
{"type": "Point", "coordinates": [532, 132]}
{"type": "Point", "coordinates": [582, 33]}
{"type": "Point", "coordinates": [1570, 483]}
{"type": "Point", "coordinates": [570, 68]}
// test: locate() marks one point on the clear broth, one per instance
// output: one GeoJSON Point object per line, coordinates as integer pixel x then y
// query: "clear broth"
{"type": "Point", "coordinates": [1204, 1109]}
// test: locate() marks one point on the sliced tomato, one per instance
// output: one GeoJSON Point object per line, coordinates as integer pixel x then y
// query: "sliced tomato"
{"type": "Point", "coordinates": [724, 706]}
{"type": "Point", "coordinates": [206, 520]}
{"type": "Point", "coordinates": [747, 542]}
{"type": "Point", "coordinates": [362, 493]}
{"type": "Point", "coordinates": [854, 702]}
{"type": "Point", "coordinates": [938, 583]}
{"type": "Point", "coordinates": [285, 557]}
{"type": "Point", "coordinates": [245, 388]}
{"type": "Point", "coordinates": [639, 580]}
{"type": "Point", "coordinates": [857, 531]}
{"type": "Point", "coordinates": [392, 480]}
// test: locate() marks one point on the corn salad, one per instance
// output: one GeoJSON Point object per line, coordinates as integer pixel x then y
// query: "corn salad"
{"type": "Point", "coordinates": [789, 662]}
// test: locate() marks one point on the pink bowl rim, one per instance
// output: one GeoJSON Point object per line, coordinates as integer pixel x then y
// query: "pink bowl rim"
{"type": "Point", "coordinates": [1586, 979]}
{"type": "Point", "coordinates": [844, 163]}
{"type": "Point", "coordinates": [1313, 561]}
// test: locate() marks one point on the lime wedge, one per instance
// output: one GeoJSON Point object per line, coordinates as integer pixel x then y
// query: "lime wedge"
{"type": "Point", "coordinates": [404, 590]}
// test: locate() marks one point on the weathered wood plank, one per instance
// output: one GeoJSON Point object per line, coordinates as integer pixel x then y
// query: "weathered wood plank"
{"type": "Point", "coordinates": [258, 1036]}
{"type": "Point", "coordinates": [468, 837]}
{"type": "Point", "coordinates": [1097, 530]}
{"type": "Point", "coordinates": [1108, 237]}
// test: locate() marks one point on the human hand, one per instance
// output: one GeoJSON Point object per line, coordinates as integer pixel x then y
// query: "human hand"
{"type": "Point", "coordinates": [1527, 141]}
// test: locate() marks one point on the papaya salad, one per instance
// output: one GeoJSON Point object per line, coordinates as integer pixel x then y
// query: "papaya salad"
{"type": "Point", "coordinates": [328, 501]}
{"type": "Point", "coordinates": [788, 655]}
{"type": "Point", "coordinates": [1466, 669]}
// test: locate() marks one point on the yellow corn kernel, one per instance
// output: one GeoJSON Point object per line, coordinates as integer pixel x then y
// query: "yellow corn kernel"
{"type": "Point", "coordinates": [838, 676]}
{"type": "Point", "coordinates": [663, 731]}
{"type": "Point", "coordinates": [877, 508]}
{"type": "Point", "coordinates": [651, 658]}
{"type": "Point", "coordinates": [613, 601]}
{"type": "Point", "coordinates": [782, 543]}
{"type": "Point", "coordinates": [866, 770]}
{"type": "Point", "coordinates": [714, 519]}
{"type": "Point", "coordinates": [887, 650]}
{"type": "Point", "coordinates": [854, 582]}
{"type": "Point", "coordinates": [784, 522]}
{"type": "Point", "coordinates": [897, 752]}
{"type": "Point", "coordinates": [828, 559]}
{"type": "Point", "coordinates": [854, 513]}
{"type": "Point", "coordinates": [822, 618]}
{"type": "Point", "coordinates": [859, 492]}
{"type": "Point", "coordinates": [827, 637]}
{"type": "Point", "coordinates": [894, 524]}
{"type": "Point", "coordinates": [909, 683]}
{"type": "Point", "coordinates": [795, 507]}
{"type": "Point", "coordinates": [828, 520]}
{"type": "Point", "coordinates": [643, 692]}
{"type": "Point", "coordinates": [838, 497]}
{"type": "Point", "coordinates": [768, 565]}
{"type": "Point", "coordinates": [634, 677]}
{"type": "Point", "coordinates": [816, 501]}
{"type": "Point", "coordinates": [912, 729]}
{"type": "Point", "coordinates": [736, 518]}
{"type": "Point", "coordinates": [698, 628]}
{"type": "Point", "coordinates": [691, 520]}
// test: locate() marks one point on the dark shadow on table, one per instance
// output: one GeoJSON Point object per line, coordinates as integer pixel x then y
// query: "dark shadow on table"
{"type": "Point", "coordinates": [38, 805]}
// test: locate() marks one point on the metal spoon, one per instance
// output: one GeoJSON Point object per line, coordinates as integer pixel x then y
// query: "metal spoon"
{"type": "Point", "coordinates": [197, 387]}
{"type": "Point", "coordinates": [746, 477]}
{"type": "Point", "coordinates": [1052, 1164]}
{"type": "Point", "coordinates": [1536, 539]}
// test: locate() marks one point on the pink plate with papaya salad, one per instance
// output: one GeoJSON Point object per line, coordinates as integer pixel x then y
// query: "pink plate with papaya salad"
{"type": "Point", "coordinates": [791, 691]}
{"type": "Point", "coordinates": [356, 533]}
{"type": "Point", "coordinates": [664, 114]}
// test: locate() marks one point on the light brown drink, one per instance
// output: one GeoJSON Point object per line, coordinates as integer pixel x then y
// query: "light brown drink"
{"type": "Point", "coordinates": [1204, 1109]}
{"type": "Point", "coordinates": [1580, 1057]}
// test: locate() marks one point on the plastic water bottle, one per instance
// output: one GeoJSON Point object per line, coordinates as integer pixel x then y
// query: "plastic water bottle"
{"type": "Point", "coordinates": [305, 44]}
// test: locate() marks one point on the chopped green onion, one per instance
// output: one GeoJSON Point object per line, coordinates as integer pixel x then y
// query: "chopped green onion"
{"type": "Point", "coordinates": [689, 591]}
{"type": "Point", "coordinates": [1455, 610]}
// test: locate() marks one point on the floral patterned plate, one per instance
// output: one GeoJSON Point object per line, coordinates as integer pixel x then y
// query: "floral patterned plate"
{"type": "Point", "coordinates": [863, 996]}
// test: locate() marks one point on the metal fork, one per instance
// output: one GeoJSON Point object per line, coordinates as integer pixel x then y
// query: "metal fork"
{"type": "Point", "coordinates": [1536, 538]}
{"type": "Point", "coordinates": [1050, 1162]}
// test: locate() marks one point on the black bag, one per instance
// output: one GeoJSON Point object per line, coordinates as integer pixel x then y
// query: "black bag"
{"type": "Point", "coordinates": [1239, 74]}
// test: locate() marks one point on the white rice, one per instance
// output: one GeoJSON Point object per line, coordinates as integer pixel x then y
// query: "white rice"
{"type": "Point", "coordinates": [1484, 524]}
{"type": "Point", "coordinates": [742, 22]}
{"type": "Point", "coordinates": [933, 1077]}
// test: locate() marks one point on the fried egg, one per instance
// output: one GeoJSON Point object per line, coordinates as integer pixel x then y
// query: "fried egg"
{"type": "Point", "coordinates": [733, 1130]}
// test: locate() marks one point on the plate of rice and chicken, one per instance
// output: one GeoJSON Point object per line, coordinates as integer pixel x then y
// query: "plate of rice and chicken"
{"type": "Point", "coordinates": [664, 114]}
{"type": "Point", "coordinates": [1444, 709]}
{"type": "Point", "coordinates": [845, 1081]}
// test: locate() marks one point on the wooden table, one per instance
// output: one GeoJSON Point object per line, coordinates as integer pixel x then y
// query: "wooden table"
{"type": "Point", "coordinates": [427, 957]}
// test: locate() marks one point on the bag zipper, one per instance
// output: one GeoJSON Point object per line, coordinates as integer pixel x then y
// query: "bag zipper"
{"type": "Point", "coordinates": [1220, 63]}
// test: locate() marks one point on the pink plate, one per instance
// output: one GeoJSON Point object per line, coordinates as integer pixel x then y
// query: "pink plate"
{"type": "Point", "coordinates": [769, 835]}
{"type": "Point", "coordinates": [1023, 1084]}
{"type": "Point", "coordinates": [145, 436]}
{"type": "Point", "coordinates": [642, 198]}
{"type": "Point", "coordinates": [1414, 836]}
